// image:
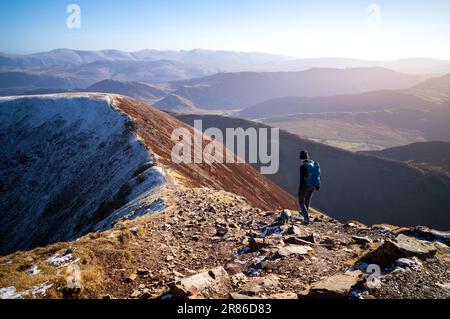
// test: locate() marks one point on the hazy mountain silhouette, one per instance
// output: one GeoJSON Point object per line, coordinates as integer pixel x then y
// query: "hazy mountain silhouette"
{"type": "Point", "coordinates": [367, 101]}
{"type": "Point", "coordinates": [240, 90]}
{"type": "Point", "coordinates": [138, 90]}
{"type": "Point", "coordinates": [225, 60]}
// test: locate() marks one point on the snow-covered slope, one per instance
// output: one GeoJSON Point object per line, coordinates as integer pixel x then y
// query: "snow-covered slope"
{"type": "Point", "coordinates": [75, 163]}
{"type": "Point", "coordinates": [66, 163]}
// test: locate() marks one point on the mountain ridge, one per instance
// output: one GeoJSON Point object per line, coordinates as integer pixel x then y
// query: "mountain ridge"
{"type": "Point", "coordinates": [128, 143]}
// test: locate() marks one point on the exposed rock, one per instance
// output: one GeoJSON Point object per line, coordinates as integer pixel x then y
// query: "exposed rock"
{"type": "Point", "coordinates": [284, 295]}
{"type": "Point", "coordinates": [294, 230]}
{"type": "Point", "coordinates": [131, 278]}
{"type": "Point", "coordinates": [362, 240]}
{"type": "Point", "coordinates": [441, 247]}
{"type": "Point", "coordinates": [257, 285]}
{"type": "Point", "coordinates": [426, 233]}
{"type": "Point", "coordinates": [257, 243]}
{"type": "Point", "coordinates": [195, 284]}
{"type": "Point", "coordinates": [444, 285]}
{"type": "Point", "coordinates": [335, 287]}
{"type": "Point", "coordinates": [328, 242]}
{"type": "Point", "coordinates": [234, 268]}
{"type": "Point", "coordinates": [143, 272]}
{"type": "Point", "coordinates": [221, 231]}
{"type": "Point", "coordinates": [293, 250]}
{"type": "Point", "coordinates": [301, 240]}
{"type": "Point", "coordinates": [238, 296]}
{"type": "Point", "coordinates": [134, 230]}
{"type": "Point", "coordinates": [402, 247]}
{"type": "Point", "coordinates": [406, 263]}
{"type": "Point", "coordinates": [238, 278]}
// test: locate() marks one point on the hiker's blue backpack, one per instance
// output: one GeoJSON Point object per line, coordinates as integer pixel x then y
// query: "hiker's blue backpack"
{"type": "Point", "coordinates": [312, 177]}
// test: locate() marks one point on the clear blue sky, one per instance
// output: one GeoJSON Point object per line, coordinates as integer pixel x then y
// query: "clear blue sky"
{"type": "Point", "coordinates": [292, 27]}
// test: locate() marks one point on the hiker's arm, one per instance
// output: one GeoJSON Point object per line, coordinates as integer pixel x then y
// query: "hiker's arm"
{"type": "Point", "coordinates": [318, 187]}
{"type": "Point", "coordinates": [302, 174]}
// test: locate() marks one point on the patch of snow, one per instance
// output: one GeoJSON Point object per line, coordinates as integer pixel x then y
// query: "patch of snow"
{"type": "Point", "coordinates": [134, 209]}
{"type": "Point", "coordinates": [10, 293]}
{"type": "Point", "coordinates": [40, 289]}
{"type": "Point", "coordinates": [406, 263]}
{"type": "Point", "coordinates": [441, 235]}
{"type": "Point", "coordinates": [58, 260]}
{"type": "Point", "coordinates": [66, 155]}
{"type": "Point", "coordinates": [258, 259]}
{"type": "Point", "coordinates": [34, 270]}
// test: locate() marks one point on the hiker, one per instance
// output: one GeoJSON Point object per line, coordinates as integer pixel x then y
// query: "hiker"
{"type": "Point", "coordinates": [309, 182]}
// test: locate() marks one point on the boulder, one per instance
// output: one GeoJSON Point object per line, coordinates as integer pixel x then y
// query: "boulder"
{"type": "Point", "coordinates": [193, 285]}
{"type": "Point", "coordinates": [334, 287]}
{"type": "Point", "coordinates": [425, 233]}
{"type": "Point", "coordinates": [258, 243]}
{"type": "Point", "coordinates": [257, 285]}
{"type": "Point", "coordinates": [294, 230]}
{"type": "Point", "coordinates": [329, 243]}
{"type": "Point", "coordinates": [402, 247]}
{"type": "Point", "coordinates": [238, 296]}
{"type": "Point", "coordinates": [221, 231]}
{"type": "Point", "coordinates": [293, 250]}
{"type": "Point", "coordinates": [301, 240]}
{"type": "Point", "coordinates": [361, 240]}
{"type": "Point", "coordinates": [131, 278]}
{"type": "Point", "coordinates": [284, 295]}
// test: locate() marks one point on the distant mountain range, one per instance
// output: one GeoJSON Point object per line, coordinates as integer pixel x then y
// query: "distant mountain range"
{"type": "Point", "coordinates": [353, 104]}
{"type": "Point", "coordinates": [241, 90]}
{"type": "Point", "coordinates": [357, 186]}
{"type": "Point", "coordinates": [364, 121]}
{"type": "Point", "coordinates": [224, 60]}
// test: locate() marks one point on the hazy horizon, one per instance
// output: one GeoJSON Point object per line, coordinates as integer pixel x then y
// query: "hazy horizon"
{"type": "Point", "coordinates": [366, 30]}
{"type": "Point", "coordinates": [222, 50]}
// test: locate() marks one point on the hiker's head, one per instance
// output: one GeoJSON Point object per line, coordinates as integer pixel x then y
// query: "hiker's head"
{"type": "Point", "coordinates": [304, 155]}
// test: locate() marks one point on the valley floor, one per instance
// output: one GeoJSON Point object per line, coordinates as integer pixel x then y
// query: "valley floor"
{"type": "Point", "coordinates": [212, 244]}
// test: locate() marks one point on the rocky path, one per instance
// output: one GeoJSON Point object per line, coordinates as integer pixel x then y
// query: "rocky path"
{"type": "Point", "coordinates": [213, 244]}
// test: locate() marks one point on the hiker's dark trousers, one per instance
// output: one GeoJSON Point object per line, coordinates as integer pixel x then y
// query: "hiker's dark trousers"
{"type": "Point", "coordinates": [304, 199]}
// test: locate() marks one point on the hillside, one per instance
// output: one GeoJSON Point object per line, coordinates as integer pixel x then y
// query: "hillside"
{"type": "Point", "coordinates": [435, 150]}
{"type": "Point", "coordinates": [367, 101]}
{"type": "Point", "coordinates": [176, 103]}
{"type": "Point", "coordinates": [371, 130]}
{"type": "Point", "coordinates": [142, 91]}
{"type": "Point", "coordinates": [177, 231]}
{"type": "Point", "coordinates": [435, 89]}
{"type": "Point", "coordinates": [240, 90]}
{"type": "Point", "coordinates": [76, 163]}
{"type": "Point", "coordinates": [358, 187]}
{"type": "Point", "coordinates": [433, 156]}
